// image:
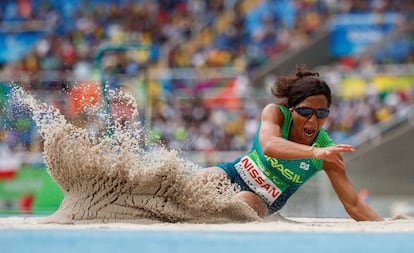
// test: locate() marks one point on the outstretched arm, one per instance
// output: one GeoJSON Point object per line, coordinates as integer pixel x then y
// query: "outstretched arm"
{"type": "Point", "coordinates": [353, 204]}
{"type": "Point", "coordinates": [275, 146]}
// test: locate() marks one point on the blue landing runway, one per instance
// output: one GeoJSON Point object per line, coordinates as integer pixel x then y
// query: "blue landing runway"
{"type": "Point", "coordinates": [114, 241]}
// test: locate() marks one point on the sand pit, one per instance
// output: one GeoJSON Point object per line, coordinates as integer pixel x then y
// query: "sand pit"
{"type": "Point", "coordinates": [329, 225]}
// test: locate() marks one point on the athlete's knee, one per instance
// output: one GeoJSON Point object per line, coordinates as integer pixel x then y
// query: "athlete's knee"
{"type": "Point", "coordinates": [254, 201]}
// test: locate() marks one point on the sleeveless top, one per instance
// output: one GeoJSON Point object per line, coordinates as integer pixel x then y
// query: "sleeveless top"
{"type": "Point", "coordinates": [273, 179]}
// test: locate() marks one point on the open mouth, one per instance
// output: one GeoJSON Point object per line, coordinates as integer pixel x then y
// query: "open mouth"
{"type": "Point", "coordinates": [309, 132]}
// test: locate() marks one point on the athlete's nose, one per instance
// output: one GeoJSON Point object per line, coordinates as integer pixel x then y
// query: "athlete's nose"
{"type": "Point", "coordinates": [313, 117]}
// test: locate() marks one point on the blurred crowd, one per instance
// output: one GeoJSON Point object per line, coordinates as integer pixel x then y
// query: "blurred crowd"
{"type": "Point", "coordinates": [238, 34]}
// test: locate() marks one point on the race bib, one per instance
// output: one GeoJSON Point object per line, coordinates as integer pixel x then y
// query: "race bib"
{"type": "Point", "coordinates": [255, 177]}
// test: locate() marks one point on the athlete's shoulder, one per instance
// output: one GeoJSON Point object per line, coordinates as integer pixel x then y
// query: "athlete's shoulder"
{"type": "Point", "coordinates": [273, 113]}
{"type": "Point", "coordinates": [270, 107]}
{"type": "Point", "coordinates": [275, 108]}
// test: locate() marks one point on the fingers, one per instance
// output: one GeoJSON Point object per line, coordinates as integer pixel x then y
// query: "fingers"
{"type": "Point", "coordinates": [331, 154]}
{"type": "Point", "coordinates": [344, 148]}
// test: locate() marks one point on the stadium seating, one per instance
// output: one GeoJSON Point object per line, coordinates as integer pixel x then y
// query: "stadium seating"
{"type": "Point", "coordinates": [241, 35]}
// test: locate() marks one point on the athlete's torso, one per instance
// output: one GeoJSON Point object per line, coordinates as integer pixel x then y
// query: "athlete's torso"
{"type": "Point", "coordinates": [275, 180]}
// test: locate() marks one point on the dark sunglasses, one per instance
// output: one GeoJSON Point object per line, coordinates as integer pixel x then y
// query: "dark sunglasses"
{"type": "Point", "coordinates": [307, 112]}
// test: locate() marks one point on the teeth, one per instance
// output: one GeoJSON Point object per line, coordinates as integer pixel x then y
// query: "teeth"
{"type": "Point", "coordinates": [308, 133]}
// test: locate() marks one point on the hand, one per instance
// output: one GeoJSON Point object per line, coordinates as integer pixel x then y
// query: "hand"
{"type": "Point", "coordinates": [331, 154]}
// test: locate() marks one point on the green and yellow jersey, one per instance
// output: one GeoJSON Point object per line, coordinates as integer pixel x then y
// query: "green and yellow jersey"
{"type": "Point", "coordinates": [273, 179]}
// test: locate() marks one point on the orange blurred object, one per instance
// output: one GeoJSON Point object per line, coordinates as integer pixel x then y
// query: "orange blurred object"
{"type": "Point", "coordinates": [226, 97]}
{"type": "Point", "coordinates": [82, 95]}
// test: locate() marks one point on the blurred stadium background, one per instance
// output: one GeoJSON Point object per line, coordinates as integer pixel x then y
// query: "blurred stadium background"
{"type": "Point", "coordinates": [201, 70]}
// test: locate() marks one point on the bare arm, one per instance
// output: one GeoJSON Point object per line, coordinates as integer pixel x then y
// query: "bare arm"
{"type": "Point", "coordinates": [270, 137]}
{"type": "Point", "coordinates": [353, 204]}
{"type": "Point", "coordinates": [275, 146]}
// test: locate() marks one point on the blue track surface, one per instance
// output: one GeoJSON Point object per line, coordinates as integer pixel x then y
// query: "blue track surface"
{"type": "Point", "coordinates": [108, 240]}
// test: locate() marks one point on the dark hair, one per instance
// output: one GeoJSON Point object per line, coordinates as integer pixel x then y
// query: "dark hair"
{"type": "Point", "coordinates": [294, 89]}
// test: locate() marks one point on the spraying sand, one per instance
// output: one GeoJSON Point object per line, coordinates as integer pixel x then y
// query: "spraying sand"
{"type": "Point", "coordinates": [123, 178]}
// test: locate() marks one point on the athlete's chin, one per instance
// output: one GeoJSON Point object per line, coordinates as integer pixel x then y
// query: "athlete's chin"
{"type": "Point", "coordinates": [308, 138]}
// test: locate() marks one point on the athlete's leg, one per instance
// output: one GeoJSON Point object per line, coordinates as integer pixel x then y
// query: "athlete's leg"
{"type": "Point", "coordinates": [254, 201]}
{"type": "Point", "coordinates": [250, 198]}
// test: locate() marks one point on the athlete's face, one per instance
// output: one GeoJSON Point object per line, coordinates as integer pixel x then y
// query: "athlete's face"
{"type": "Point", "coordinates": [306, 122]}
